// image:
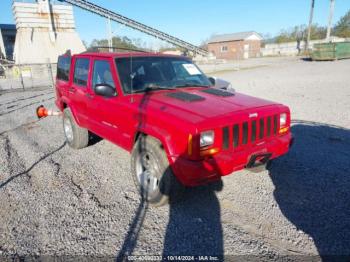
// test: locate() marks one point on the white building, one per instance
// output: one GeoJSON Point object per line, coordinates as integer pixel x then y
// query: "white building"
{"type": "Point", "coordinates": [44, 31]}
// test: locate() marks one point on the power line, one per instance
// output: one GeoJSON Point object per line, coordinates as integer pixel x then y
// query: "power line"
{"type": "Point", "coordinates": [136, 25]}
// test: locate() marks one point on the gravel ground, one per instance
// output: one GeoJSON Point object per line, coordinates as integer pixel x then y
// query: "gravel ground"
{"type": "Point", "coordinates": [60, 201]}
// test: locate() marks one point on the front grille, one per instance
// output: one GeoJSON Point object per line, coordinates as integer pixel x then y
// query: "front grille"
{"type": "Point", "coordinates": [235, 135]}
{"type": "Point", "coordinates": [268, 126]}
{"type": "Point", "coordinates": [262, 128]}
{"type": "Point", "coordinates": [250, 132]}
{"type": "Point", "coordinates": [253, 133]}
{"type": "Point", "coordinates": [245, 133]}
{"type": "Point", "coordinates": [275, 123]}
{"type": "Point", "coordinates": [225, 137]}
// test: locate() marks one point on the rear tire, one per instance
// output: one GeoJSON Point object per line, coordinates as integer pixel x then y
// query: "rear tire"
{"type": "Point", "coordinates": [151, 172]}
{"type": "Point", "coordinates": [76, 136]}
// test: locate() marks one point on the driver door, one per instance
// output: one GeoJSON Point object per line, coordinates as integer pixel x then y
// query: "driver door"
{"type": "Point", "coordinates": [103, 111]}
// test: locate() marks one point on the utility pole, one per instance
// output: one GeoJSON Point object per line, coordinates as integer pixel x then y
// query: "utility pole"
{"type": "Point", "coordinates": [109, 29]}
{"type": "Point", "coordinates": [330, 18]}
{"type": "Point", "coordinates": [310, 25]}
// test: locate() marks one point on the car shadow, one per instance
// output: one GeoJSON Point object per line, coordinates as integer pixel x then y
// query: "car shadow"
{"type": "Point", "coordinates": [312, 185]}
{"type": "Point", "coordinates": [306, 59]}
{"type": "Point", "coordinates": [132, 235]}
{"type": "Point", "coordinates": [194, 227]}
{"type": "Point", "coordinates": [94, 139]}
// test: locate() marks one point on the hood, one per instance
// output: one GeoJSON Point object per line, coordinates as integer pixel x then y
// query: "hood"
{"type": "Point", "coordinates": [195, 105]}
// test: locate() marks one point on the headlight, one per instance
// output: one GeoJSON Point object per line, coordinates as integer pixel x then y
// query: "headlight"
{"type": "Point", "coordinates": [283, 119]}
{"type": "Point", "coordinates": [207, 138]}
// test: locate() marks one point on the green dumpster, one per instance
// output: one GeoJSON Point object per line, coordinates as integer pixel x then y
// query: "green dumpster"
{"type": "Point", "coordinates": [342, 50]}
{"type": "Point", "coordinates": [331, 51]}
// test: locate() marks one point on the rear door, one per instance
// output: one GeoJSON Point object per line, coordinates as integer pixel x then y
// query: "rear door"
{"type": "Point", "coordinates": [77, 91]}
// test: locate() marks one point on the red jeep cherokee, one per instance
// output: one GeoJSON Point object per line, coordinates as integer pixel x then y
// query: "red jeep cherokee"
{"type": "Point", "coordinates": [167, 113]}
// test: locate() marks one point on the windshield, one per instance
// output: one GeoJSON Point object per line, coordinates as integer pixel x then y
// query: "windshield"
{"type": "Point", "coordinates": [139, 74]}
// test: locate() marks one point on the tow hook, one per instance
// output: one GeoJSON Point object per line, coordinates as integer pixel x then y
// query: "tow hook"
{"type": "Point", "coordinates": [42, 112]}
{"type": "Point", "coordinates": [258, 160]}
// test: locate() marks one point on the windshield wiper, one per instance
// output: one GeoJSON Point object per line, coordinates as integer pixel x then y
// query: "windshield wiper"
{"type": "Point", "coordinates": [191, 85]}
{"type": "Point", "coordinates": [152, 87]}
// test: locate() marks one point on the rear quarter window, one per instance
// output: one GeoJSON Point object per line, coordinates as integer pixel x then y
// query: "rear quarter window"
{"type": "Point", "coordinates": [63, 66]}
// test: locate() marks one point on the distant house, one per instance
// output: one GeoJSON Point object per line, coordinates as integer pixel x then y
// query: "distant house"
{"type": "Point", "coordinates": [235, 46]}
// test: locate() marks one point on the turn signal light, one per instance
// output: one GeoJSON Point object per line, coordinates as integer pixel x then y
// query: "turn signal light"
{"type": "Point", "coordinates": [209, 152]}
{"type": "Point", "coordinates": [283, 130]}
{"type": "Point", "coordinates": [189, 146]}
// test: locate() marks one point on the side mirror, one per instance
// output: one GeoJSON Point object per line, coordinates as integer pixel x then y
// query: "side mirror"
{"type": "Point", "coordinates": [104, 90]}
{"type": "Point", "coordinates": [221, 84]}
{"type": "Point", "coordinates": [212, 80]}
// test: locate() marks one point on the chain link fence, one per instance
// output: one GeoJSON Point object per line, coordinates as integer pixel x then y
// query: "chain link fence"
{"type": "Point", "coordinates": [27, 76]}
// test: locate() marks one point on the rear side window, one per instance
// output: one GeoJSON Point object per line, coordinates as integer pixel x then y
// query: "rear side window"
{"type": "Point", "coordinates": [63, 65]}
{"type": "Point", "coordinates": [81, 71]}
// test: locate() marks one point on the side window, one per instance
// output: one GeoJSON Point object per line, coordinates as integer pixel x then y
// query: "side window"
{"type": "Point", "coordinates": [81, 71]}
{"type": "Point", "coordinates": [63, 66]}
{"type": "Point", "coordinates": [102, 73]}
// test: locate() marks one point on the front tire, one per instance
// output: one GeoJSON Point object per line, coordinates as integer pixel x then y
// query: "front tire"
{"type": "Point", "coordinates": [151, 172]}
{"type": "Point", "coordinates": [76, 136]}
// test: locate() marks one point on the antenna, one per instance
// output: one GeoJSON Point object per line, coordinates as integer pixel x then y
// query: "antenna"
{"type": "Point", "coordinates": [132, 75]}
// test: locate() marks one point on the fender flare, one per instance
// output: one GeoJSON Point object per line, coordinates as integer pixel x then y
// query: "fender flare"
{"type": "Point", "coordinates": [66, 102]}
{"type": "Point", "coordinates": [161, 135]}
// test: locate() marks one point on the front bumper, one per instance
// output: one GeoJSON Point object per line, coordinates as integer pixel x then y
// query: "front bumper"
{"type": "Point", "coordinates": [193, 173]}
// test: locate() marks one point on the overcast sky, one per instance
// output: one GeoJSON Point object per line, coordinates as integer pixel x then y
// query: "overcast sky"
{"type": "Point", "coordinates": [195, 20]}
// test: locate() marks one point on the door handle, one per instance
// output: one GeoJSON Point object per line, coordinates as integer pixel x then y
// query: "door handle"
{"type": "Point", "coordinates": [71, 90]}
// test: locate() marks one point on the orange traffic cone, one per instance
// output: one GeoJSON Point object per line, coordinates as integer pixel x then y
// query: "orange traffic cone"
{"type": "Point", "coordinates": [41, 112]}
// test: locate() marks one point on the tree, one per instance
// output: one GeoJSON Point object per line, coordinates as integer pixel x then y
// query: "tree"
{"type": "Point", "coordinates": [318, 32]}
{"type": "Point", "coordinates": [85, 44]}
{"type": "Point", "coordinates": [299, 33]}
{"type": "Point", "coordinates": [118, 42]}
{"type": "Point", "coordinates": [342, 28]}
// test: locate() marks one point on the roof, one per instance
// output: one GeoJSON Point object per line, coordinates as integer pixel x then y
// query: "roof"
{"type": "Point", "coordinates": [233, 37]}
{"type": "Point", "coordinates": [8, 26]}
{"type": "Point", "coordinates": [126, 54]}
